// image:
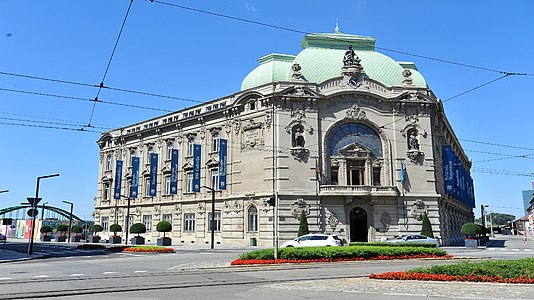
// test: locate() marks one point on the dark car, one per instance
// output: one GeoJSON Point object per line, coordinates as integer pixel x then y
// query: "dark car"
{"type": "Point", "coordinates": [2, 238]}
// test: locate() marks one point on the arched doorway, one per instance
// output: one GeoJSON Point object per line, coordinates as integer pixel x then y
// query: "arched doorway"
{"type": "Point", "coordinates": [358, 225]}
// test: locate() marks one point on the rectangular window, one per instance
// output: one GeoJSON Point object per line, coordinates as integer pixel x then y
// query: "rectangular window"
{"type": "Point", "coordinates": [169, 151]}
{"type": "Point", "coordinates": [217, 221]}
{"type": "Point", "coordinates": [147, 221]}
{"type": "Point", "coordinates": [167, 217]}
{"type": "Point", "coordinates": [147, 187]}
{"type": "Point", "coordinates": [215, 142]}
{"type": "Point", "coordinates": [376, 176]}
{"type": "Point", "coordinates": [334, 175]}
{"type": "Point", "coordinates": [189, 222]}
{"type": "Point", "coordinates": [215, 178]}
{"type": "Point", "coordinates": [108, 163]}
{"type": "Point", "coordinates": [130, 222]}
{"type": "Point", "coordinates": [106, 192]}
{"type": "Point", "coordinates": [190, 147]}
{"type": "Point", "coordinates": [167, 185]}
{"type": "Point", "coordinates": [189, 182]}
{"type": "Point", "coordinates": [105, 223]}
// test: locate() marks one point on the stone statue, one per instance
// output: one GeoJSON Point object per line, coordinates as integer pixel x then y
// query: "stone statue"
{"type": "Point", "coordinates": [349, 58]}
{"type": "Point", "coordinates": [299, 138]}
{"type": "Point", "coordinates": [413, 143]}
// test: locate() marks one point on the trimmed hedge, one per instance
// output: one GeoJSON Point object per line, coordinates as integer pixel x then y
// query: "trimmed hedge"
{"type": "Point", "coordinates": [502, 268]}
{"type": "Point", "coordinates": [385, 244]}
{"type": "Point", "coordinates": [332, 253]}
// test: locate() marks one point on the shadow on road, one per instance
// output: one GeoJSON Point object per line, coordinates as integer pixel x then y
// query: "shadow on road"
{"type": "Point", "coordinates": [497, 243]}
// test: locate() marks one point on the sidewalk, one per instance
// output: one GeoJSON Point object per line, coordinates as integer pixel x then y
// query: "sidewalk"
{"type": "Point", "coordinates": [11, 256]}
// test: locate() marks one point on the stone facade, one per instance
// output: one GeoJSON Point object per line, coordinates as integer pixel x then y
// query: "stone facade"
{"type": "Point", "coordinates": [335, 149]}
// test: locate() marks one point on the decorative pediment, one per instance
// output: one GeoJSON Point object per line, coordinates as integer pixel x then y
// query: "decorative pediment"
{"type": "Point", "coordinates": [356, 113]}
{"type": "Point", "coordinates": [355, 150]}
{"type": "Point", "coordinates": [188, 164]}
{"type": "Point", "coordinates": [213, 161]}
{"type": "Point", "coordinates": [298, 91]}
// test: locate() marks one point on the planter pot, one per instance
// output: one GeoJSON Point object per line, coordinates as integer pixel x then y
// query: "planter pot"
{"type": "Point", "coordinates": [94, 239]}
{"type": "Point", "coordinates": [138, 240]}
{"type": "Point", "coordinates": [164, 241]}
{"type": "Point", "coordinates": [115, 239]}
{"type": "Point", "coordinates": [47, 238]}
{"type": "Point", "coordinates": [75, 239]}
{"type": "Point", "coordinates": [61, 238]}
{"type": "Point", "coordinates": [471, 243]}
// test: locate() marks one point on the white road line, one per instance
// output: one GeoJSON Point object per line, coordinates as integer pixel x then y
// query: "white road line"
{"type": "Point", "coordinates": [140, 272]}
{"type": "Point", "coordinates": [515, 249]}
{"type": "Point", "coordinates": [528, 250]}
{"type": "Point", "coordinates": [5, 278]}
{"type": "Point", "coordinates": [502, 249]}
{"type": "Point", "coordinates": [491, 249]}
{"type": "Point", "coordinates": [73, 275]}
{"type": "Point", "coordinates": [70, 257]}
{"type": "Point", "coordinates": [41, 276]}
{"type": "Point", "coordinates": [107, 273]}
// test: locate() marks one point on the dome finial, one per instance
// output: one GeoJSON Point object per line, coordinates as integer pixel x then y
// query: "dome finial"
{"type": "Point", "coordinates": [337, 26]}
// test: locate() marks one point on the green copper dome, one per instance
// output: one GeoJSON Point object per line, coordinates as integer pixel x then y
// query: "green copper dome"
{"type": "Point", "coordinates": [322, 59]}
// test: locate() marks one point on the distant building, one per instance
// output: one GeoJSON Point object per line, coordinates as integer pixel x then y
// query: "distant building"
{"type": "Point", "coordinates": [527, 196]}
{"type": "Point", "coordinates": [353, 138]}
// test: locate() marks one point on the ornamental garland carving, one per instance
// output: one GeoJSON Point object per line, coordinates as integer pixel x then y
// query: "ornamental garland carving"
{"type": "Point", "coordinates": [201, 208]}
{"type": "Point", "coordinates": [298, 206]}
{"type": "Point", "coordinates": [268, 119]}
{"type": "Point", "coordinates": [356, 113]}
{"type": "Point", "coordinates": [232, 206]}
{"type": "Point", "coordinates": [418, 209]}
{"type": "Point", "coordinates": [237, 125]}
{"type": "Point", "coordinates": [332, 221]}
{"type": "Point", "coordinates": [177, 209]}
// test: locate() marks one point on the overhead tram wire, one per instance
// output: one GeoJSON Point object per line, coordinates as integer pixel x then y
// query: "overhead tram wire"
{"type": "Point", "coordinates": [48, 122]}
{"type": "Point", "coordinates": [109, 64]}
{"type": "Point", "coordinates": [337, 39]}
{"type": "Point", "coordinates": [477, 87]}
{"type": "Point", "coordinates": [84, 99]}
{"type": "Point", "coordinates": [50, 127]}
{"type": "Point", "coordinates": [103, 87]}
{"type": "Point", "coordinates": [52, 119]}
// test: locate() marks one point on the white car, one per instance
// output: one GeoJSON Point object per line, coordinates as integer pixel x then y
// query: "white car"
{"type": "Point", "coordinates": [314, 240]}
{"type": "Point", "coordinates": [414, 238]}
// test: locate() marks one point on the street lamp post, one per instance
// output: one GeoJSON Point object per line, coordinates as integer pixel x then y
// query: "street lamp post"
{"type": "Point", "coordinates": [42, 214]}
{"type": "Point", "coordinates": [126, 224]}
{"type": "Point", "coordinates": [70, 217]}
{"type": "Point", "coordinates": [212, 215]}
{"type": "Point", "coordinates": [30, 246]}
{"type": "Point", "coordinates": [491, 220]}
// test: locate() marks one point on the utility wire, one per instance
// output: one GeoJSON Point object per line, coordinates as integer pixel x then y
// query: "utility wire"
{"type": "Point", "coordinates": [50, 127]}
{"type": "Point", "coordinates": [476, 88]}
{"type": "Point", "coordinates": [53, 119]}
{"type": "Point", "coordinates": [109, 64]}
{"type": "Point", "coordinates": [336, 38]}
{"type": "Point", "coordinates": [47, 122]}
{"type": "Point", "coordinates": [84, 99]}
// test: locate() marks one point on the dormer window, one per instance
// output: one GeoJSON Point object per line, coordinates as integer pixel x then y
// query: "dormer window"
{"type": "Point", "coordinates": [252, 105]}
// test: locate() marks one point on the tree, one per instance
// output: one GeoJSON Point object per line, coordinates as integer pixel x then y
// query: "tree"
{"type": "Point", "coordinates": [46, 229]}
{"type": "Point", "coordinates": [303, 227]}
{"type": "Point", "coordinates": [138, 228]}
{"type": "Point", "coordinates": [95, 229]}
{"type": "Point", "coordinates": [62, 228]}
{"type": "Point", "coordinates": [115, 228]}
{"type": "Point", "coordinates": [164, 227]}
{"type": "Point", "coordinates": [470, 229]}
{"type": "Point", "coordinates": [77, 229]}
{"type": "Point", "coordinates": [426, 228]}
{"type": "Point", "coordinates": [499, 219]}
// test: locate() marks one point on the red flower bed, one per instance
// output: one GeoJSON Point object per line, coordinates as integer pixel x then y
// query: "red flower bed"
{"type": "Point", "coordinates": [443, 277]}
{"type": "Point", "coordinates": [303, 261]}
{"type": "Point", "coordinates": [160, 250]}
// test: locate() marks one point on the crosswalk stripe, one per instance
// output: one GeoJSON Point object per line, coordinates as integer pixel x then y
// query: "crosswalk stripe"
{"type": "Point", "coordinates": [5, 278]}
{"type": "Point", "coordinates": [41, 276]}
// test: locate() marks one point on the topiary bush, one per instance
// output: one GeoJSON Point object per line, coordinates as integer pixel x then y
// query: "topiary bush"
{"type": "Point", "coordinates": [164, 227]}
{"type": "Point", "coordinates": [470, 229]}
{"type": "Point", "coordinates": [62, 228]}
{"type": "Point", "coordinates": [386, 244]}
{"type": "Point", "coordinates": [138, 228]}
{"type": "Point", "coordinates": [115, 228]}
{"type": "Point", "coordinates": [303, 227]}
{"type": "Point", "coordinates": [46, 229]}
{"type": "Point", "coordinates": [77, 229]}
{"type": "Point", "coordinates": [95, 229]}
{"type": "Point", "coordinates": [426, 228]}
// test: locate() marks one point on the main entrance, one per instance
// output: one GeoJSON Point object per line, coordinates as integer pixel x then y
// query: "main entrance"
{"type": "Point", "coordinates": [358, 225]}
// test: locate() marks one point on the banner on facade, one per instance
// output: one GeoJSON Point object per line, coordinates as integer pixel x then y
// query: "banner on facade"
{"type": "Point", "coordinates": [223, 158]}
{"type": "Point", "coordinates": [402, 171]}
{"type": "Point", "coordinates": [118, 180]}
{"type": "Point", "coordinates": [174, 172]}
{"type": "Point", "coordinates": [196, 168]}
{"type": "Point", "coordinates": [134, 184]}
{"type": "Point", "coordinates": [153, 174]}
{"type": "Point", "coordinates": [448, 169]}
{"type": "Point", "coordinates": [457, 180]}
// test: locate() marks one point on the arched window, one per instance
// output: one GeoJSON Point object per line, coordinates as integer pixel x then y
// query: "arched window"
{"type": "Point", "coordinates": [252, 218]}
{"type": "Point", "coordinates": [353, 133]}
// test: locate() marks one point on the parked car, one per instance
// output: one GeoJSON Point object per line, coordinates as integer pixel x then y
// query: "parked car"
{"type": "Point", "coordinates": [414, 238]}
{"type": "Point", "coordinates": [2, 238]}
{"type": "Point", "coordinates": [314, 240]}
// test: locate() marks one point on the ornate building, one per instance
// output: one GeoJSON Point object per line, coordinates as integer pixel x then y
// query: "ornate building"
{"type": "Point", "coordinates": [355, 139]}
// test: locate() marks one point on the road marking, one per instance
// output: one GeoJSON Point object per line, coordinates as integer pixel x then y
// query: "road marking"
{"type": "Point", "coordinates": [502, 249]}
{"type": "Point", "coordinates": [491, 249]}
{"type": "Point", "coordinates": [69, 257]}
{"type": "Point", "coordinates": [41, 276]}
{"type": "Point", "coordinates": [5, 278]}
{"type": "Point", "coordinates": [107, 273]}
{"type": "Point", "coordinates": [140, 272]}
{"type": "Point", "coordinates": [528, 250]}
{"type": "Point", "coordinates": [515, 249]}
{"type": "Point", "coordinates": [73, 275]}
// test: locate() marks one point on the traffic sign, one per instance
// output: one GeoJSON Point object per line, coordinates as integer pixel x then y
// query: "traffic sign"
{"type": "Point", "coordinates": [33, 212]}
{"type": "Point", "coordinates": [12, 226]}
{"type": "Point", "coordinates": [33, 201]}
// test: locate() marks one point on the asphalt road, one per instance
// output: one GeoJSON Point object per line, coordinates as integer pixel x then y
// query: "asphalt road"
{"type": "Point", "coordinates": [204, 274]}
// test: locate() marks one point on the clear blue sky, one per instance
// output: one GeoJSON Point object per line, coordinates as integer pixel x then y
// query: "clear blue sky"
{"type": "Point", "coordinates": [182, 53]}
